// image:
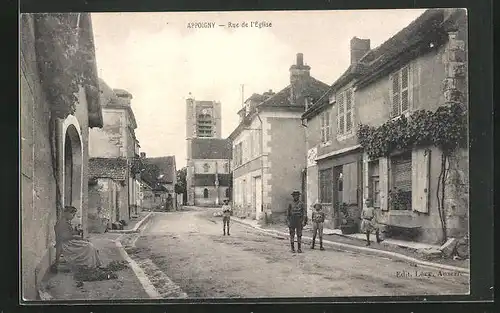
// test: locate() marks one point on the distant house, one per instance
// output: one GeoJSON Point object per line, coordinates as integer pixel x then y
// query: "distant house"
{"type": "Point", "coordinates": [117, 140]}
{"type": "Point", "coordinates": [269, 145]}
{"type": "Point", "coordinates": [422, 67]}
{"type": "Point", "coordinates": [162, 177]}
{"type": "Point", "coordinates": [107, 191]}
{"type": "Point", "coordinates": [54, 132]}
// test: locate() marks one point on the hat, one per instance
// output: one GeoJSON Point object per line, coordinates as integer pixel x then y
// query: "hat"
{"type": "Point", "coordinates": [317, 204]}
{"type": "Point", "coordinates": [295, 192]}
{"type": "Point", "coordinates": [70, 209]}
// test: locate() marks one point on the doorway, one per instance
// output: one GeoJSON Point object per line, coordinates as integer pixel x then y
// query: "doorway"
{"type": "Point", "coordinates": [337, 195]}
{"type": "Point", "coordinates": [257, 195]}
{"type": "Point", "coordinates": [73, 172]}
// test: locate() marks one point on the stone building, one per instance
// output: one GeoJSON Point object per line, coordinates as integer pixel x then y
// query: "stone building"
{"type": "Point", "coordinates": [424, 66]}
{"type": "Point", "coordinates": [163, 183]}
{"type": "Point", "coordinates": [107, 193]}
{"type": "Point", "coordinates": [54, 133]}
{"type": "Point", "coordinates": [116, 139]}
{"type": "Point", "coordinates": [208, 156]}
{"type": "Point", "coordinates": [269, 145]}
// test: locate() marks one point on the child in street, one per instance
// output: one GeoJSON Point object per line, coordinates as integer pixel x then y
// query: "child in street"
{"type": "Point", "coordinates": [226, 216]}
{"type": "Point", "coordinates": [369, 222]}
{"type": "Point", "coordinates": [318, 218]}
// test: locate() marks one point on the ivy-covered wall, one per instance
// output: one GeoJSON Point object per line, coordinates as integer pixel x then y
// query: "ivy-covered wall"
{"type": "Point", "coordinates": [438, 120]}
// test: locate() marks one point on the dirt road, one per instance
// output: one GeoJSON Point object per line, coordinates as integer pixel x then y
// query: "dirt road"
{"type": "Point", "coordinates": [189, 248]}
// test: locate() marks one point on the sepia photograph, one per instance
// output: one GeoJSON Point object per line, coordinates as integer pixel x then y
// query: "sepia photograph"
{"type": "Point", "coordinates": [244, 154]}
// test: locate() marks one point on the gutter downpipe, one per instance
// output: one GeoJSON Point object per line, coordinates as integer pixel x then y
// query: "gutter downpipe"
{"type": "Point", "coordinates": [261, 160]}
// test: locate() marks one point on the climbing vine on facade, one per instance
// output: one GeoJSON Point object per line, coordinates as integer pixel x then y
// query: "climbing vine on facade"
{"type": "Point", "coordinates": [63, 60]}
{"type": "Point", "coordinates": [445, 128]}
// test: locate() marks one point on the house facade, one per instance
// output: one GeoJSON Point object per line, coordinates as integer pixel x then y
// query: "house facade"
{"type": "Point", "coordinates": [164, 182]}
{"type": "Point", "coordinates": [269, 146]}
{"type": "Point", "coordinates": [107, 193]}
{"type": "Point", "coordinates": [422, 67]}
{"type": "Point", "coordinates": [54, 135]}
{"type": "Point", "coordinates": [117, 140]}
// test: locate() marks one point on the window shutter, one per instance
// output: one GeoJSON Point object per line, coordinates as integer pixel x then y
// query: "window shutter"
{"type": "Point", "coordinates": [420, 199]}
{"type": "Point", "coordinates": [366, 176]}
{"type": "Point", "coordinates": [395, 95]}
{"type": "Point", "coordinates": [348, 110]}
{"type": "Point", "coordinates": [340, 114]}
{"type": "Point", "coordinates": [405, 88]}
{"type": "Point", "coordinates": [327, 122]}
{"type": "Point", "coordinates": [353, 177]}
{"type": "Point", "coordinates": [384, 183]}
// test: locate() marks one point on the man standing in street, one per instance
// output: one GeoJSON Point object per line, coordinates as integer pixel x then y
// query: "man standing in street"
{"type": "Point", "coordinates": [297, 219]}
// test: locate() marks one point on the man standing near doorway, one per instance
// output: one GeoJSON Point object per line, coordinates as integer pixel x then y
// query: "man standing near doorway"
{"type": "Point", "coordinates": [297, 219]}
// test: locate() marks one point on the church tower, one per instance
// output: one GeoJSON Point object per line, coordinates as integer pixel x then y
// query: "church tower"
{"type": "Point", "coordinates": [208, 154]}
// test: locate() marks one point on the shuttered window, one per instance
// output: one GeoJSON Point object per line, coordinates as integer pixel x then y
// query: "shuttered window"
{"type": "Point", "coordinates": [345, 110]}
{"type": "Point", "coordinates": [374, 182]}
{"type": "Point", "coordinates": [326, 186]}
{"type": "Point", "coordinates": [401, 179]}
{"type": "Point", "coordinates": [400, 91]}
{"type": "Point", "coordinates": [325, 126]}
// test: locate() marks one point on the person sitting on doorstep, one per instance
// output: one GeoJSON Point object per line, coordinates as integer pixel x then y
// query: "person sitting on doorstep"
{"type": "Point", "coordinates": [78, 252]}
{"type": "Point", "coordinates": [318, 218]}
{"type": "Point", "coordinates": [369, 222]}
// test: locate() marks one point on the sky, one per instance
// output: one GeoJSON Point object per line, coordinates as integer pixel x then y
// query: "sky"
{"type": "Point", "coordinates": [160, 60]}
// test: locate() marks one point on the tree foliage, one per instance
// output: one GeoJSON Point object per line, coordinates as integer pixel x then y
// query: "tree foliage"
{"type": "Point", "coordinates": [181, 185]}
{"type": "Point", "coordinates": [63, 60]}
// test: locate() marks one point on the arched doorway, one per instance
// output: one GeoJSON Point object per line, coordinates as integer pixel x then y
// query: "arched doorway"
{"type": "Point", "coordinates": [72, 171]}
{"type": "Point", "coordinates": [205, 193]}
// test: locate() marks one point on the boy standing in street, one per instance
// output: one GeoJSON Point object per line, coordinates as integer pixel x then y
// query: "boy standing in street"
{"type": "Point", "coordinates": [369, 222]}
{"type": "Point", "coordinates": [226, 216]}
{"type": "Point", "coordinates": [318, 218]}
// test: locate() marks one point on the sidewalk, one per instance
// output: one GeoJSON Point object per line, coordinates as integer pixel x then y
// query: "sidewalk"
{"type": "Point", "coordinates": [63, 286]}
{"type": "Point", "coordinates": [128, 285]}
{"type": "Point", "coordinates": [396, 249]}
{"type": "Point", "coordinates": [134, 224]}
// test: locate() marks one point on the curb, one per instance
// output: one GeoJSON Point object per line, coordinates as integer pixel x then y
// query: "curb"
{"type": "Point", "coordinates": [371, 251]}
{"type": "Point", "coordinates": [133, 230]}
{"type": "Point", "coordinates": [143, 279]}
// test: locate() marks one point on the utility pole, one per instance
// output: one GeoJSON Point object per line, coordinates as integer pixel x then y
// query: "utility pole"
{"type": "Point", "coordinates": [242, 95]}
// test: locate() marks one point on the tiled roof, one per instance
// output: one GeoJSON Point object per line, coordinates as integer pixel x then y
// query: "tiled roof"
{"type": "Point", "coordinates": [166, 167]}
{"type": "Point", "coordinates": [315, 89]}
{"type": "Point", "coordinates": [201, 180]}
{"type": "Point", "coordinates": [211, 148]}
{"type": "Point", "coordinates": [115, 168]}
{"type": "Point", "coordinates": [421, 29]}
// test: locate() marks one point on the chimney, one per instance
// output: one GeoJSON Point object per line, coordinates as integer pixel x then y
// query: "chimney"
{"type": "Point", "coordinates": [143, 155]}
{"type": "Point", "coordinates": [299, 77]}
{"type": "Point", "coordinates": [359, 47]}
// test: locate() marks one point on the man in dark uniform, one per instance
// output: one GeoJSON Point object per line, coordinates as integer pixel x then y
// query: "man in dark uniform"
{"type": "Point", "coordinates": [296, 218]}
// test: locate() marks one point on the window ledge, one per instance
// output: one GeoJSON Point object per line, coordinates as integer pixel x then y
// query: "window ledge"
{"type": "Point", "coordinates": [406, 114]}
{"type": "Point", "coordinates": [325, 144]}
{"type": "Point", "coordinates": [400, 212]}
{"type": "Point", "coordinates": [345, 136]}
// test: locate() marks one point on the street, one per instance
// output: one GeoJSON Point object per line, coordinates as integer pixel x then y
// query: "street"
{"type": "Point", "coordinates": [189, 249]}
